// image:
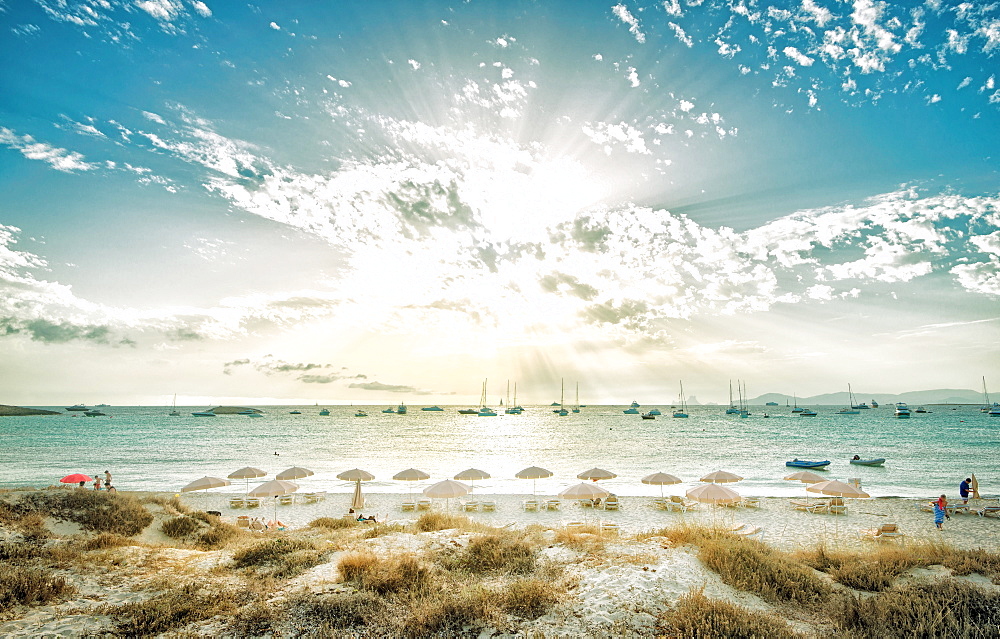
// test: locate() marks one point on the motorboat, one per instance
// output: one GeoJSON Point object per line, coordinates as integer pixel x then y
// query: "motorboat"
{"type": "Point", "coordinates": [648, 416]}
{"type": "Point", "coordinates": [631, 411]}
{"type": "Point", "coordinates": [95, 413]}
{"type": "Point", "coordinates": [324, 412]}
{"type": "Point", "coordinates": [77, 408]}
{"type": "Point", "coordinates": [920, 409]}
{"type": "Point", "coordinates": [902, 410]}
{"type": "Point", "coordinates": [432, 408]}
{"type": "Point", "coordinates": [361, 413]}
{"type": "Point", "coordinates": [803, 463]}
{"type": "Point", "coordinates": [389, 410]}
{"type": "Point", "coordinates": [654, 412]}
{"type": "Point", "coordinates": [805, 412]}
{"type": "Point", "coordinates": [254, 414]}
{"type": "Point", "coordinates": [770, 403]}
{"type": "Point", "coordinates": [486, 411]}
{"type": "Point", "coordinates": [205, 413]}
{"type": "Point", "coordinates": [635, 404]}
{"type": "Point", "coordinates": [878, 461]}
{"type": "Point", "coordinates": [848, 411]}
{"type": "Point", "coordinates": [294, 412]}
{"type": "Point", "coordinates": [874, 404]}
{"type": "Point", "coordinates": [401, 409]}
{"type": "Point", "coordinates": [467, 411]}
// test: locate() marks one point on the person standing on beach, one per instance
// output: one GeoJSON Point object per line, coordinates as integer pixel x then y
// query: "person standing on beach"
{"type": "Point", "coordinates": [97, 482]}
{"type": "Point", "coordinates": [107, 478]}
{"type": "Point", "coordinates": [940, 512]}
{"type": "Point", "coordinates": [964, 488]}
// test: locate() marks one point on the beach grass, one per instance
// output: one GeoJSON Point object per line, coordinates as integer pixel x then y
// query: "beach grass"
{"type": "Point", "coordinates": [383, 575]}
{"type": "Point", "coordinates": [696, 615]}
{"type": "Point", "coordinates": [504, 552]}
{"type": "Point", "coordinates": [279, 558]}
{"type": "Point", "coordinates": [172, 610]}
{"type": "Point", "coordinates": [93, 510]}
{"type": "Point", "coordinates": [180, 527]}
{"type": "Point", "coordinates": [30, 586]}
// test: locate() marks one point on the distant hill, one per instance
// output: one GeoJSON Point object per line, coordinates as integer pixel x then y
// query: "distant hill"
{"type": "Point", "coordinates": [939, 396]}
{"type": "Point", "coordinates": [18, 411]}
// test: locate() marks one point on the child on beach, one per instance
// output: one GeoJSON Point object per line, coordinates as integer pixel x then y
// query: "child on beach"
{"type": "Point", "coordinates": [941, 512]}
{"type": "Point", "coordinates": [97, 482]}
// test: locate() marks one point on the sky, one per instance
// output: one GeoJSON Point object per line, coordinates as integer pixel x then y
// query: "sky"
{"type": "Point", "coordinates": [381, 202]}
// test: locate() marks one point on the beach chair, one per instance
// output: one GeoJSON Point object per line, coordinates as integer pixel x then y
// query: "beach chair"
{"type": "Point", "coordinates": [573, 526]}
{"type": "Point", "coordinates": [257, 525]}
{"type": "Point", "coordinates": [471, 506]}
{"type": "Point", "coordinates": [837, 506]}
{"type": "Point", "coordinates": [883, 532]}
{"type": "Point", "coordinates": [236, 502]}
{"type": "Point", "coordinates": [489, 506]}
{"type": "Point", "coordinates": [660, 502]}
{"type": "Point", "coordinates": [552, 504]}
{"type": "Point", "coordinates": [611, 503]}
{"type": "Point", "coordinates": [423, 504]}
{"type": "Point", "coordinates": [252, 502]}
{"type": "Point", "coordinates": [529, 505]}
{"type": "Point", "coordinates": [809, 507]}
{"type": "Point", "coordinates": [609, 527]}
{"type": "Point", "coordinates": [243, 522]}
{"type": "Point", "coordinates": [748, 531]}
{"type": "Point", "coordinates": [586, 503]}
{"type": "Point", "coordinates": [409, 504]}
{"type": "Point", "coordinates": [678, 503]}
{"type": "Point", "coordinates": [989, 511]}
{"type": "Point", "coordinates": [285, 500]}
{"type": "Point", "coordinates": [749, 502]}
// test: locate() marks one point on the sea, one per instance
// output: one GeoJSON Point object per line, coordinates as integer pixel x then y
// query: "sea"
{"type": "Point", "coordinates": [146, 449]}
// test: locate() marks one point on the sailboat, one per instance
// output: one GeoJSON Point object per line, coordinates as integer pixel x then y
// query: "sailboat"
{"type": "Point", "coordinates": [987, 408]}
{"type": "Point", "coordinates": [577, 409]}
{"type": "Point", "coordinates": [732, 410]}
{"type": "Point", "coordinates": [744, 399]}
{"type": "Point", "coordinates": [795, 402]}
{"type": "Point", "coordinates": [561, 411]}
{"type": "Point", "coordinates": [514, 409]}
{"type": "Point", "coordinates": [484, 410]}
{"type": "Point", "coordinates": [176, 413]}
{"type": "Point", "coordinates": [682, 411]}
{"type": "Point", "coordinates": [850, 402]}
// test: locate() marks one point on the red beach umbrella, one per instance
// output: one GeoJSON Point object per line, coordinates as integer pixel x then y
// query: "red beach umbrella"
{"type": "Point", "coordinates": [75, 478]}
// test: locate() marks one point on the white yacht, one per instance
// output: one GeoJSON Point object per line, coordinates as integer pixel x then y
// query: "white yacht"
{"type": "Point", "coordinates": [902, 410]}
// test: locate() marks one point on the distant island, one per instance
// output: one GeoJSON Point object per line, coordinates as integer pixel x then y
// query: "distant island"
{"type": "Point", "coordinates": [20, 411]}
{"type": "Point", "coordinates": [231, 410]}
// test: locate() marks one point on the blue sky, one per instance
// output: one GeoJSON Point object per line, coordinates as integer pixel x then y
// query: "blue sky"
{"type": "Point", "coordinates": [386, 201]}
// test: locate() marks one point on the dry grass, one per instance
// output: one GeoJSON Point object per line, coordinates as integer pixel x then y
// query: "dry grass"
{"type": "Point", "coordinates": [431, 521]}
{"type": "Point", "coordinates": [335, 613]}
{"type": "Point", "coordinates": [171, 611]}
{"type": "Point", "coordinates": [280, 558]}
{"type": "Point", "coordinates": [333, 523]}
{"type": "Point", "coordinates": [585, 539]}
{"type": "Point", "coordinates": [696, 615]}
{"type": "Point", "coordinates": [450, 613]}
{"type": "Point", "coordinates": [529, 598]}
{"type": "Point", "coordinates": [395, 574]}
{"type": "Point", "coordinates": [504, 552]}
{"type": "Point", "coordinates": [180, 527]}
{"type": "Point", "coordinates": [947, 608]}
{"type": "Point", "coordinates": [30, 586]}
{"type": "Point", "coordinates": [95, 511]}
{"type": "Point", "coordinates": [219, 535]}
{"type": "Point", "coordinates": [103, 541]}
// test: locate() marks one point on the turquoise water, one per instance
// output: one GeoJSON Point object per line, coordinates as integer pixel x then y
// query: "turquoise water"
{"type": "Point", "coordinates": [146, 449]}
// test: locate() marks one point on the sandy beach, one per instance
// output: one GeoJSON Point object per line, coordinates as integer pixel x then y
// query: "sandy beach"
{"type": "Point", "coordinates": [619, 582]}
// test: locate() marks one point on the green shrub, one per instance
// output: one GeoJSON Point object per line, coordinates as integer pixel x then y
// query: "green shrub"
{"type": "Point", "coordinates": [30, 586]}
{"type": "Point", "coordinates": [695, 615]}
{"type": "Point", "coordinates": [946, 608]}
{"type": "Point", "coordinates": [178, 527]}
{"type": "Point", "coordinates": [218, 535]}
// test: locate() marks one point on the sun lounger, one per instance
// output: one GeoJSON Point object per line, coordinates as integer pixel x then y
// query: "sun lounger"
{"type": "Point", "coordinates": [809, 507]}
{"type": "Point", "coordinates": [660, 502]}
{"type": "Point", "coordinates": [423, 504]}
{"type": "Point", "coordinates": [529, 505]}
{"type": "Point", "coordinates": [470, 506]}
{"type": "Point", "coordinates": [883, 532]}
{"type": "Point", "coordinates": [285, 500]}
{"type": "Point", "coordinates": [312, 498]}
{"type": "Point", "coordinates": [678, 503]}
{"type": "Point", "coordinates": [252, 502]}
{"type": "Point", "coordinates": [257, 525]}
{"type": "Point", "coordinates": [611, 503]}
{"type": "Point", "coordinates": [236, 502]}
{"type": "Point", "coordinates": [408, 505]}
{"type": "Point", "coordinates": [243, 522]}
{"type": "Point", "coordinates": [989, 511]}
{"type": "Point", "coordinates": [609, 527]}
{"type": "Point", "coordinates": [574, 525]}
{"type": "Point", "coordinates": [747, 530]}
{"type": "Point", "coordinates": [837, 506]}
{"type": "Point", "coordinates": [749, 502]}
{"type": "Point", "coordinates": [489, 506]}
{"type": "Point", "coordinates": [552, 504]}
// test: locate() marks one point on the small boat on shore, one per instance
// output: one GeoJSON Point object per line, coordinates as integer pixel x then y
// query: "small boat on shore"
{"type": "Point", "coordinates": [878, 461]}
{"type": "Point", "coordinates": [803, 463]}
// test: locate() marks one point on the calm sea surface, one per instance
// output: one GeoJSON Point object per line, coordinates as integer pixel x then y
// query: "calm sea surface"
{"type": "Point", "coordinates": [146, 449]}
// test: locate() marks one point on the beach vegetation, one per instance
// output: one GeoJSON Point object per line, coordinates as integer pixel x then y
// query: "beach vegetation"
{"type": "Point", "coordinates": [584, 539]}
{"type": "Point", "coordinates": [333, 523]}
{"type": "Point", "coordinates": [180, 527]}
{"type": "Point", "coordinates": [433, 521]}
{"type": "Point", "coordinates": [504, 552]}
{"type": "Point", "coordinates": [218, 535]}
{"type": "Point", "coordinates": [393, 574]}
{"type": "Point", "coordinates": [452, 612]}
{"type": "Point", "coordinates": [378, 530]}
{"type": "Point", "coordinates": [281, 558]}
{"type": "Point", "coordinates": [102, 541]}
{"type": "Point", "coordinates": [171, 505]}
{"type": "Point", "coordinates": [336, 612]}
{"type": "Point", "coordinates": [942, 608]}
{"type": "Point", "coordinates": [169, 611]}
{"type": "Point", "coordinates": [93, 510]}
{"type": "Point", "coordinates": [30, 586]}
{"type": "Point", "coordinates": [257, 619]}
{"type": "Point", "coordinates": [751, 565]}
{"type": "Point", "coordinates": [529, 598]}
{"type": "Point", "coordinates": [695, 615]}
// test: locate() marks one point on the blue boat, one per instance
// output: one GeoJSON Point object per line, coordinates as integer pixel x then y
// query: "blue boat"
{"type": "Point", "coordinates": [802, 463]}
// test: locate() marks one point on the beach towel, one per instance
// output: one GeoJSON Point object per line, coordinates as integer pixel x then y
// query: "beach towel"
{"type": "Point", "coordinates": [938, 515]}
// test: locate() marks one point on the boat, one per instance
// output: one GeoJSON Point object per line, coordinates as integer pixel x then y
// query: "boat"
{"type": "Point", "coordinates": [361, 413]}
{"type": "Point", "coordinates": [902, 410]}
{"type": "Point", "coordinates": [741, 387]}
{"type": "Point", "coordinates": [631, 411]}
{"type": "Point", "coordinates": [432, 408]}
{"type": "Point", "coordinates": [648, 416]}
{"type": "Point", "coordinates": [250, 412]}
{"type": "Point", "coordinates": [484, 410]}
{"type": "Point", "coordinates": [803, 463]}
{"type": "Point", "coordinates": [95, 413]}
{"type": "Point", "coordinates": [173, 408]}
{"type": "Point", "coordinates": [732, 410]}
{"type": "Point", "coordinates": [878, 461]}
{"type": "Point", "coordinates": [994, 410]}
{"type": "Point", "coordinates": [102, 405]}
{"type": "Point", "coordinates": [805, 412]}
{"type": "Point", "coordinates": [771, 403]}
{"type": "Point", "coordinates": [561, 411]}
{"type": "Point", "coordinates": [325, 412]}
{"type": "Point", "coordinates": [874, 404]}
{"type": "Point", "coordinates": [253, 414]}
{"type": "Point", "coordinates": [850, 409]}
{"type": "Point", "coordinates": [516, 409]}
{"type": "Point", "coordinates": [635, 404]}
{"type": "Point", "coordinates": [205, 413]}
{"type": "Point", "coordinates": [795, 404]}
{"type": "Point", "coordinates": [294, 412]}
{"type": "Point", "coordinates": [577, 409]}
{"type": "Point", "coordinates": [389, 410]}
{"type": "Point", "coordinates": [682, 411]}
{"type": "Point", "coordinates": [655, 411]}
{"type": "Point", "coordinates": [468, 411]}
{"type": "Point", "coordinates": [77, 408]}
{"type": "Point", "coordinates": [920, 409]}
{"type": "Point", "coordinates": [401, 409]}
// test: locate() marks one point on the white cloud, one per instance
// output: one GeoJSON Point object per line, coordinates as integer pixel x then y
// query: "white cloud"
{"type": "Point", "coordinates": [680, 34]}
{"type": "Point", "coordinates": [623, 14]}
{"type": "Point", "coordinates": [202, 9]}
{"type": "Point", "coordinates": [275, 26]}
{"type": "Point", "coordinates": [798, 56]}
{"type": "Point", "coordinates": [414, 64]}
{"type": "Point", "coordinates": [164, 10]}
{"type": "Point", "coordinates": [59, 159]}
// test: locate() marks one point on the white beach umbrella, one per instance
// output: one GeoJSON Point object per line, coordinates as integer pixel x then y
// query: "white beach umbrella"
{"type": "Point", "coordinates": [275, 488]}
{"type": "Point", "coordinates": [720, 477]}
{"type": "Point", "coordinates": [714, 494]}
{"type": "Point", "coordinates": [411, 474]}
{"type": "Point", "coordinates": [805, 476]}
{"type": "Point", "coordinates": [471, 475]}
{"type": "Point", "coordinates": [836, 488]}
{"type": "Point", "coordinates": [533, 473]}
{"type": "Point", "coordinates": [295, 472]}
{"type": "Point", "coordinates": [594, 474]}
{"type": "Point", "coordinates": [661, 480]}
{"type": "Point", "coordinates": [446, 490]}
{"type": "Point", "coordinates": [205, 483]}
{"type": "Point", "coordinates": [247, 473]}
{"type": "Point", "coordinates": [357, 476]}
{"type": "Point", "coordinates": [584, 491]}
